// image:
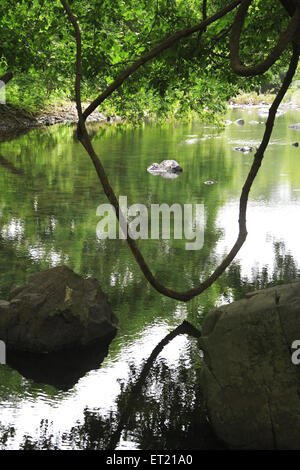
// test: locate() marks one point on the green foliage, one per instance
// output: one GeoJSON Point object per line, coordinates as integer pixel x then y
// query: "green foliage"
{"type": "Point", "coordinates": [38, 45]}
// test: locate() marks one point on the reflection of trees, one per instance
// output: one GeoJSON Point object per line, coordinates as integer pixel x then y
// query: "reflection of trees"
{"type": "Point", "coordinates": [6, 433]}
{"type": "Point", "coordinates": [172, 417]}
{"type": "Point", "coordinates": [285, 269]}
{"type": "Point", "coordinates": [166, 413]}
{"type": "Point", "coordinates": [10, 167]}
{"type": "Point", "coordinates": [160, 407]}
{"type": "Point", "coordinates": [57, 216]}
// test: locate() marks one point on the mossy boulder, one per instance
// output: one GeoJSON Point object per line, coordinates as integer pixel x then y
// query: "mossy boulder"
{"type": "Point", "coordinates": [251, 386]}
{"type": "Point", "coordinates": [57, 309]}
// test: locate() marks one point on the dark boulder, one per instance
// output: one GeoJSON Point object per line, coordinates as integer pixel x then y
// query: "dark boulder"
{"type": "Point", "coordinates": [57, 309]}
{"type": "Point", "coordinates": [250, 383]}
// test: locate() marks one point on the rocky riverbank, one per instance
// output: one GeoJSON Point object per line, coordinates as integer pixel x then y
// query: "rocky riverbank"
{"type": "Point", "coordinates": [14, 119]}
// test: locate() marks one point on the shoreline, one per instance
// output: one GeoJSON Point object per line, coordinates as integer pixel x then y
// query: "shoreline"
{"type": "Point", "coordinates": [263, 104]}
{"type": "Point", "coordinates": [14, 119]}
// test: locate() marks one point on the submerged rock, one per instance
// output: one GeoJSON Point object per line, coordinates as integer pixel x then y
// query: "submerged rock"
{"type": "Point", "coordinates": [264, 112]}
{"type": "Point", "coordinates": [170, 166]}
{"type": "Point", "coordinates": [57, 309]}
{"type": "Point", "coordinates": [295, 144]}
{"type": "Point", "coordinates": [250, 384]}
{"type": "Point", "coordinates": [210, 182]}
{"type": "Point", "coordinates": [239, 122]}
{"type": "Point", "coordinates": [244, 149]}
{"type": "Point", "coordinates": [296, 127]}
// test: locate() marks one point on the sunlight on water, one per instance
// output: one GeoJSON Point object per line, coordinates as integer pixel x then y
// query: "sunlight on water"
{"type": "Point", "coordinates": [48, 217]}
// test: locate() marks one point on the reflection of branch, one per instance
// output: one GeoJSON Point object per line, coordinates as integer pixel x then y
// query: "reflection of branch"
{"type": "Point", "coordinates": [86, 142]}
{"type": "Point", "coordinates": [184, 328]}
{"type": "Point", "coordinates": [10, 166]}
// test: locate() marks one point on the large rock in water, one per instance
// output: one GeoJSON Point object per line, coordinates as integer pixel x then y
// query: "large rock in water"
{"type": "Point", "coordinates": [57, 309]}
{"type": "Point", "coordinates": [250, 384]}
{"type": "Point", "coordinates": [166, 165]}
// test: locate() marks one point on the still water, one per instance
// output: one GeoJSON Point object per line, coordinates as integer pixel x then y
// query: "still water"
{"type": "Point", "coordinates": [48, 202]}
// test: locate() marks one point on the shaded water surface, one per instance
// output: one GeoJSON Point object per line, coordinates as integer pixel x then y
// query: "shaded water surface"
{"type": "Point", "coordinates": [49, 196]}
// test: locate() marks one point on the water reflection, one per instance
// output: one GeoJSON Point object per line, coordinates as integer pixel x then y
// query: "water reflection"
{"type": "Point", "coordinates": [48, 217]}
{"type": "Point", "coordinates": [60, 369]}
{"type": "Point", "coordinates": [172, 418]}
{"type": "Point", "coordinates": [165, 410]}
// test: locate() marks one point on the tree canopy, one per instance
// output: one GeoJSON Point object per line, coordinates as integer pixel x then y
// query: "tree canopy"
{"type": "Point", "coordinates": [38, 46]}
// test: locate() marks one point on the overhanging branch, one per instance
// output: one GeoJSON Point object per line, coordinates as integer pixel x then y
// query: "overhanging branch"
{"type": "Point", "coordinates": [167, 43]}
{"type": "Point", "coordinates": [86, 142]}
{"type": "Point", "coordinates": [258, 69]}
{"type": "Point", "coordinates": [6, 77]}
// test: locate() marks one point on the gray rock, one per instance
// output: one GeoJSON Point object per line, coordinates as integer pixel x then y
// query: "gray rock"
{"type": "Point", "coordinates": [239, 122]}
{"type": "Point", "coordinates": [170, 166]}
{"type": "Point", "coordinates": [296, 127]}
{"type": "Point", "coordinates": [295, 144]}
{"type": "Point", "coordinates": [57, 309]}
{"type": "Point", "coordinates": [154, 168]}
{"type": "Point", "coordinates": [244, 149]}
{"type": "Point", "coordinates": [251, 387]}
{"type": "Point", "coordinates": [210, 182]}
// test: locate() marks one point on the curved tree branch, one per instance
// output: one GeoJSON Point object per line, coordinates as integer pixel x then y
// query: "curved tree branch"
{"type": "Point", "coordinates": [289, 5]}
{"type": "Point", "coordinates": [74, 22]}
{"type": "Point", "coordinates": [258, 69]}
{"type": "Point", "coordinates": [86, 142]}
{"type": "Point", "coordinates": [6, 77]}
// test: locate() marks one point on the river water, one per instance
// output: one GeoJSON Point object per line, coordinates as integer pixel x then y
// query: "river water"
{"type": "Point", "coordinates": [49, 197]}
